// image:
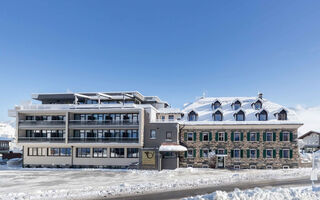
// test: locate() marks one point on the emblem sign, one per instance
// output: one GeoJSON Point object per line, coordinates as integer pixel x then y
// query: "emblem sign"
{"type": "Point", "coordinates": [148, 158]}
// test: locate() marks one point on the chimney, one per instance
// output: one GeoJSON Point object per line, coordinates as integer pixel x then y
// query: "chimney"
{"type": "Point", "coordinates": [260, 95]}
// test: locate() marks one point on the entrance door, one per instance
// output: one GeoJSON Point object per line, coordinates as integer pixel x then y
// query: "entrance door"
{"type": "Point", "coordinates": [220, 163]}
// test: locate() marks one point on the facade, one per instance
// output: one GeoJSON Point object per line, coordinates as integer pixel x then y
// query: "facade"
{"type": "Point", "coordinates": [123, 129]}
{"type": "Point", "coordinates": [310, 141]}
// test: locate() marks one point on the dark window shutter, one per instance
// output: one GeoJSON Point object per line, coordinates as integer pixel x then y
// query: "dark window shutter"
{"type": "Point", "coordinates": [280, 153]}
{"type": "Point", "coordinates": [248, 153]}
{"type": "Point", "coordinates": [210, 136]}
{"type": "Point", "coordinates": [291, 153]}
{"type": "Point", "coordinates": [291, 136]}
{"type": "Point", "coordinates": [258, 153]}
{"type": "Point", "coordinates": [258, 136]}
{"type": "Point", "coordinates": [281, 136]}
{"type": "Point", "coordinates": [264, 136]}
{"type": "Point", "coordinates": [274, 136]}
{"type": "Point", "coordinates": [248, 136]}
{"type": "Point", "coordinates": [231, 153]}
{"type": "Point", "coordinates": [232, 136]}
{"type": "Point", "coordinates": [200, 153]}
{"type": "Point", "coordinates": [216, 151]}
{"type": "Point", "coordinates": [264, 153]}
{"type": "Point", "coordinates": [225, 136]}
{"type": "Point", "coordinates": [225, 151]}
{"type": "Point", "coordinates": [216, 136]}
{"type": "Point", "coordinates": [186, 154]}
{"type": "Point", "coordinates": [274, 153]}
{"type": "Point", "coordinates": [201, 136]}
{"type": "Point", "coordinates": [241, 134]}
{"type": "Point", "coordinates": [241, 153]}
{"type": "Point", "coordinates": [194, 153]}
{"type": "Point", "coordinates": [185, 137]}
{"type": "Point", "coordinates": [194, 136]}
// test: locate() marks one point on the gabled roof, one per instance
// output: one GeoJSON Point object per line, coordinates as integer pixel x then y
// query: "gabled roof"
{"type": "Point", "coordinates": [307, 134]}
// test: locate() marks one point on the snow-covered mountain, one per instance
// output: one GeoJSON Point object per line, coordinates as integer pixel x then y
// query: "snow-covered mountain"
{"type": "Point", "coordinates": [310, 116]}
{"type": "Point", "coordinates": [7, 130]}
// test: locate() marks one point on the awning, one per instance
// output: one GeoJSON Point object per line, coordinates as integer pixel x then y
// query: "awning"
{"type": "Point", "coordinates": [172, 147]}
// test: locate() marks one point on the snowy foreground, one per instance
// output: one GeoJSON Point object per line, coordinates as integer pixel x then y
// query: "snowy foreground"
{"type": "Point", "coordinates": [293, 193]}
{"type": "Point", "coordinates": [95, 183]}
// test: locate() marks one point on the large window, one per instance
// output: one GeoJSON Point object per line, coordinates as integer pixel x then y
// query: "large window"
{"type": "Point", "coordinates": [152, 134]}
{"type": "Point", "coordinates": [59, 152]}
{"type": "Point", "coordinates": [117, 152]}
{"type": "Point", "coordinates": [34, 151]}
{"type": "Point", "coordinates": [83, 153]}
{"type": "Point", "coordinates": [100, 152]}
{"type": "Point", "coordinates": [132, 152]}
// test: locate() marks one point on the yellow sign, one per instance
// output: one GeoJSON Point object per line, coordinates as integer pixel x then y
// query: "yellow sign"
{"type": "Point", "coordinates": [148, 158]}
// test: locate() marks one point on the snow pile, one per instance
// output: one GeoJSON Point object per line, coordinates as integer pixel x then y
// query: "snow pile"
{"type": "Point", "coordinates": [97, 183]}
{"type": "Point", "coordinates": [306, 157]}
{"type": "Point", "coordinates": [294, 193]}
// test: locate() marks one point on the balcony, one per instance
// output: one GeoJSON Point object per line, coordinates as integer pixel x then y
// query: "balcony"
{"type": "Point", "coordinates": [103, 140]}
{"type": "Point", "coordinates": [100, 124]}
{"type": "Point", "coordinates": [41, 139]}
{"type": "Point", "coordinates": [42, 124]}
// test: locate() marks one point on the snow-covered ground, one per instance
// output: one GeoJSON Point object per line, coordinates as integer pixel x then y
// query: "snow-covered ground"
{"type": "Point", "coordinates": [93, 183]}
{"type": "Point", "coordinates": [278, 193]}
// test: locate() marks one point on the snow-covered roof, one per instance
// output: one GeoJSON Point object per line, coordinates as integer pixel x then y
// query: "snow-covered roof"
{"type": "Point", "coordinates": [204, 110]}
{"type": "Point", "coordinates": [172, 147]}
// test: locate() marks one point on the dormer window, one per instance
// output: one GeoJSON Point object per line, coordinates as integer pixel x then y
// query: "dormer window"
{"type": "Point", "coordinates": [217, 116]}
{"type": "Point", "coordinates": [237, 105]}
{"type": "Point", "coordinates": [282, 115]}
{"type": "Point", "coordinates": [192, 116]}
{"type": "Point", "coordinates": [216, 105]}
{"type": "Point", "coordinates": [263, 116]}
{"type": "Point", "coordinates": [257, 105]}
{"type": "Point", "coordinates": [239, 116]}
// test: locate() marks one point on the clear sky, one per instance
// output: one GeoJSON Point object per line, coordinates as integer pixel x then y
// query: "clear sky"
{"type": "Point", "coordinates": [173, 49]}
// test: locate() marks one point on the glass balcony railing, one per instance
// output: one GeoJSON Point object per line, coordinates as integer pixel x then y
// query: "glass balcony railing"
{"type": "Point", "coordinates": [41, 139]}
{"type": "Point", "coordinates": [104, 140]}
{"type": "Point", "coordinates": [102, 122]}
{"type": "Point", "coordinates": [44, 122]}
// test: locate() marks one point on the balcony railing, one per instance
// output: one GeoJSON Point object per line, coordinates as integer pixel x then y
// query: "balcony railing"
{"type": "Point", "coordinates": [4, 148]}
{"type": "Point", "coordinates": [101, 123]}
{"type": "Point", "coordinates": [104, 140]}
{"type": "Point", "coordinates": [44, 122]}
{"type": "Point", "coordinates": [41, 139]}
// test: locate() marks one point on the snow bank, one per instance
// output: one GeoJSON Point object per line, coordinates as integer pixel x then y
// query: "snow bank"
{"type": "Point", "coordinates": [294, 193]}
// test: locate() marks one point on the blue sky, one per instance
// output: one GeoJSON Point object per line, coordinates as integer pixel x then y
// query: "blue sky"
{"type": "Point", "coordinates": [173, 49]}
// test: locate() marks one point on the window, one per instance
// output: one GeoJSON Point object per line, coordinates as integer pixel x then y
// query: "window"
{"type": "Point", "coordinates": [192, 116]}
{"type": "Point", "coordinates": [59, 152]}
{"type": "Point", "coordinates": [285, 136]}
{"type": "Point", "coordinates": [240, 116]}
{"type": "Point", "coordinates": [100, 152]}
{"type": "Point", "coordinates": [285, 153]}
{"type": "Point", "coordinates": [269, 153]}
{"type": "Point", "coordinates": [269, 167]}
{"type": "Point", "coordinates": [286, 167]}
{"type": "Point", "coordinates": [216, 105]}
{"type": "Point", "coordinates": [253, 153]}
{"type": "Point", "coordinates": [163, 118]}
{"type": "Point", "coordinates": [263, 116]}
{"type": "Point", "coordinates": [221, 136]}
{"type": "Point", "coordinates": [282, 115]}
{"type": "Point", "coordinates": [169, 155]}
{"type": "Point", "coordinates": [190, 153]}
{"type": "Point", "coordinates": [220, 151]}
{"type": "Point", "coordinates": [269, 136]}
{"type": "Point", "coordinates": [205, 136]}
{"type": "Point", "coordinates": [171, 117]}
{"type": "Point", "coordinates": [83, 153]}
{"type": "Point", "coordinates": [236, 167]}
{"type": "Point", "coordinates": [189, 165]}
{"type": "Point", "coordinates": [205, 166]}
{"type": "Point", "coordinates": [236, 153]}
{"type": "Point", "coordinates": [133, 153]}
{"type": "Point", "coordinates": [168, 135]}
{"type": "Point", "coordinates": [253, 167]}
{"type": "Point", "coordinates": [236, 105]}
{"type": "Point", "coordinates": [205, 153]}
{"type": "Point", "coordinates": [258, 105]}
{"type": "Point", "coordinates": [253, 137]}
{"type": "Point", "coordinates": [153, 134]}
{"type": "Point", "coordinates": [190, 136]}
{"type": "Point", "coordinates": [117, 152]}
{"type": "Point", "coordinates": [237, 136]}
{"type": "Point", "coordinates": [34, 151]}
{"type": "Point", "coordinates": [217, 116]}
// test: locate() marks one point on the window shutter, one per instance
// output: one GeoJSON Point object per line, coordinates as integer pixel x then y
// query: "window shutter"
{"type": "Point", "coordinates": [201, 136]}
{"type": "Point", "coordinates": [241, 153]}
{"type": "Point", "coordinates": [274, 136]}
{"type": "Point", "coordinates": [274, 153]}
{"type": "Point", "coordinates": [248, 136]}
{"type": "Point", "coordinates": [210, 136]}
{"type": "Point", "coordinates": [216, 136]}
{"type": "Point", "coordinates": [258, 136]}
{"type": "Point", "coordinates": [200, 153]}
{"type": "Point", "coordinates": [264, 136]}
{"type": "Point", "coordinates": [241, 135]}
{"type": "Point", "coordinates": [231, 153]}
{"type": "Point", "coordinates": [264, 153]}
{"type": "Point", "coordinates": [225, 152]}
{"type": "Point", "coordinates": [194, 136]}
{"type": "Point", "coordinates": [291, 153]}
{"type": "Point", "coordinates": [281, 136]}
{"type": "Point", "coordinates": [258, 153]}
{"type": "Point", "coordinates": [216, 151]}
{"type": "Point", "coordinates": [280, 153]}
{"type": "Point", "coordinates": [291, 136]}
{"type": "Point", "coordinates": [185, 136]}
{"type": "Point", "coordinates": [248, 153]}
{"type": "Point", "coordinates": [186, 154]}
{"type": "Point", "coordinates": [225, 136]}
{"type": "Point", "coordinates": [232, 136]}
{"type": "Point", "coordinates": [194, 153]}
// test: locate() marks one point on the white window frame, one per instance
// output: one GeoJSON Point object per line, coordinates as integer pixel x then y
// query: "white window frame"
{"type": "Point", "coordinates": [236, 167]}
{"type": "Point", "coordinates": [234, 136]}
{"type": "Point", "coordinates": [188, 156]}
{"type": "Point", "coordinates": [235, 153]}
{"type": "Point", "coordinates": [203, 133]}
{"type": "Point", "coordinates": [267, 136]}
{"type": "Point", "coordinates": [207, 153]}
{"type": "Point", "coordinates": [288, 153]}
{"type": "Point", "coordinates": [253, 167]}
{"type": "Point", "coordinates": [271, 153]}
{"type": "Point", "coordinates": [191, 136]}
{"type": "Point", "coordinates": [255, 136]}
{"type": "Point", "coordinates": [223, 134]}
{"type": "Point", "coordinates": [285, 132]}
{"type": "Point", "coordinates": [220, 150]}
{"type": "Point", "coordinates": [151, 134]}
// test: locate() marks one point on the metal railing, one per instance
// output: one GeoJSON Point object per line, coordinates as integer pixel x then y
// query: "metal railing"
{"type": "Point", "coordinates": [42, 122]}
{"type": "Point", "coordinates": [102, 122]}
{"type": "Point", "coordinates": [41, 139]}
{"type": "Point", "coordinates": [4, 148]}
{"type": "Point", "coordinates": [104, 139]}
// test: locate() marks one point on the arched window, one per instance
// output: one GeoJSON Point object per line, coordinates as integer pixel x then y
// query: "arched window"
{"type": "Point", "coordinates": [192, 116]}
{"type": "Point", "coordinates": [236, 105]}
{"type": "Point", "coordinates": [217, 116]}
{"type": "Point", "coordinates": [282, 115]}
{"type": "Point", "coordinates": [216, 105]}
{"type": "Point", "coordinates": [240, 116]}
{"type": "Point", "coordinates": [263, 116]}
{"type": "Point", "coordinates": [257, 105]}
